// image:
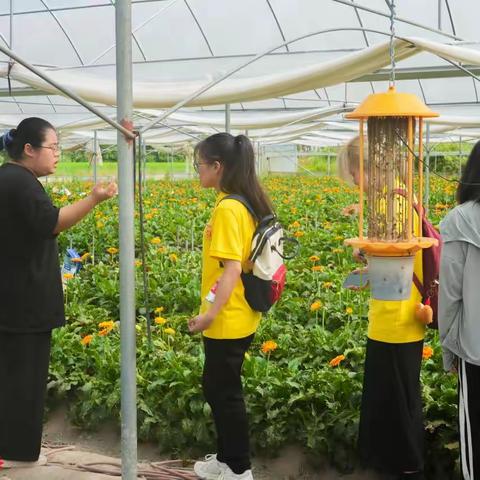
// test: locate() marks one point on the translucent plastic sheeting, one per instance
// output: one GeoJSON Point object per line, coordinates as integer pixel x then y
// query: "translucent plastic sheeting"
{"type": "Point", "coordinates": [167, 94]}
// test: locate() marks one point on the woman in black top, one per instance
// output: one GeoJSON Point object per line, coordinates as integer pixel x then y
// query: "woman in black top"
{"type": "Point", "coordinates": [31, 296]}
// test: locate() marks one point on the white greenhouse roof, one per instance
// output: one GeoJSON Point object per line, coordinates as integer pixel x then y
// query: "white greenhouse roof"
{"type": "Point", "coordinates": [181, 45]}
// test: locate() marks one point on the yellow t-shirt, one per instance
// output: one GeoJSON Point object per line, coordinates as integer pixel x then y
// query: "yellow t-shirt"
{"type": "Point", "coordinates": [228, 236]}
{"type": "Point", "coordinates": [393, 321]}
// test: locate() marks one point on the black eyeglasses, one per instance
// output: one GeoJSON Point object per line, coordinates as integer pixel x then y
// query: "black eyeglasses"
{"type": "Point", "coordinates": [54, 148]}
{"type": "Point", "coordinates": [196, 165]}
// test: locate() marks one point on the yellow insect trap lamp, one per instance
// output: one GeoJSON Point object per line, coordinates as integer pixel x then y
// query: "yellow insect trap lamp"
{"type": "Point", "coordinates": [387, 182]}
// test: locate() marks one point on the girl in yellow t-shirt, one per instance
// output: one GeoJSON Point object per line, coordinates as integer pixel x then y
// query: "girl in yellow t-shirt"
{"type": "Point", "coordinates": [391, 434]}
{"type": "Point", "coordinates": [227, 164]}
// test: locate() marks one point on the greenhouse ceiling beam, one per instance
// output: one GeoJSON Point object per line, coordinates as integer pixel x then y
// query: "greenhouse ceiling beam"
{"type": "Point", "coordinates": [214, 57]}
{"type": "Point", "coordinates": [398, 19]}
{"type": "Point", "coordinates": [75, 7]}
{"type": "Point", "coordinates": [418, 73]}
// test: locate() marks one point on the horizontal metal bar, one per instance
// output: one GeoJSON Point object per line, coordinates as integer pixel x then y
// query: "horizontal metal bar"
{"type": "Point", "coordinates": [78, 7]}
{"type": "Point", "coordinates": [419, 73]}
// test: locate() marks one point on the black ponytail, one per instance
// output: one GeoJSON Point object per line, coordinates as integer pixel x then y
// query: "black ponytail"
{"type": "Point", "coordinates": [30, 130]}
{"type": "Point", "coordinates": [237, 156]}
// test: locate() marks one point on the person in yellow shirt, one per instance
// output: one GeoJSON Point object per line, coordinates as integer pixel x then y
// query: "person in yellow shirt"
{"type": "Point", "coordinates": [391, 432]}
{"type": "Point", "coordinates": [228, 324]}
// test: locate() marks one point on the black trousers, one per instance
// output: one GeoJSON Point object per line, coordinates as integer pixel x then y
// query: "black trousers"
{"type": "Point", "coordinates": [391, 436]}
{"type": "Point", "coordinates": [24, 360]}
{"type": "Point", "coordinates": [222, 387]}
{"type": "Point", "coordinates": [469, 418]}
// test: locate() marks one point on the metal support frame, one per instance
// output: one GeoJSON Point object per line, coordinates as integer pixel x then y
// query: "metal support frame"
{"type": "Point", "coordinates": [236, 69]}
{"type": "Point", "coordinates": [227, 118]}
{"type": "Point", "coordinates": [123, 28]}
{"type": "Point", "coordinates": [426, 166]}
{"type": "Point", "coordinates": [65, 91]}
{"type": "Point", "coordinates": [95, 159]}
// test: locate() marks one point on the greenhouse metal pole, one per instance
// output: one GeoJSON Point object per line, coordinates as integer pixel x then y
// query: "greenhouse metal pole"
{"type": "Point", "coordinates": [427, 169]}
{"type": "Point", "coordinates": [227, 118]}
{"type": "Point", "coordinates": [123, 29]}
{"type": "Point", "coordinates": [11, 25]}
{"type": "Point", "coordinates": [95, 159]}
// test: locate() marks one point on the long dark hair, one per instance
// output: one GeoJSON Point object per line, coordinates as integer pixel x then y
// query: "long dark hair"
{"type": "Point", "coordinates": [30, 130]}
{"type": "Point", "coordinates": [238, 159]}
{"type": "Point", "coordinates": [469, 186]}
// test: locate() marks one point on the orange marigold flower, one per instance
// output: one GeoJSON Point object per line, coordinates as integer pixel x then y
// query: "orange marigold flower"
{"type": "Point", "coordinates": [295, 224]}
{"type": "Point", "coordinates": [299, 234]}
{"type": "Point", "coordinates": [67, 276]}
{"type": "Point", "coordinates": [173, 257]}
{"type": "Point", "coordinates": [316, 305]}
{"type": "Point", "coordinates": [169, 331]}
{"type": "Point", "coordinates": [86, 339]}
{"type": "Point", "coordinates": [269, 346]}
{"type": "Point", "coordinates": [334, 362]}
{"type": "Point", "coordinates": [317, 268]}
{"type": "Point", "coordinates": [104, 332]}
{"type": "Point", "coordinates": [160, 320]}
{"type": "Point", "coordinates": [112, 250]}
{"type": "Point", "coordinates": [314, 258]}
{"type": "Point", "coordinates": [155, 241]}
{"type": "Point", "coordinates": [427, 352]}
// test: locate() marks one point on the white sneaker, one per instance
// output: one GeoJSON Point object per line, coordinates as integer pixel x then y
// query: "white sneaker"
{"type": "Point", "coordinates": [211, 468]}
{"type": "Point", "coordinates": [227, 474]}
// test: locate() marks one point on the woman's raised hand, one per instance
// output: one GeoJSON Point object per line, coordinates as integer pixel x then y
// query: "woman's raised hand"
{"type": "Point", "coordinates": [102, 192]}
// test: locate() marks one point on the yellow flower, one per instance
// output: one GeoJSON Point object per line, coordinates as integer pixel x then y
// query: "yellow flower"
{"type": "Point", "coordinates": [104, 332]}
{"type": "Point", "coordinates": [169, 331]}
{"type": "Point", "coordinates": [327, 284]}
{"type": "Point", "coordinates": [160, 321]}
{"type": "Point", "coordinates": [76, 260]}
{"type": "Point", "coordinates": [112, 250]}
{"type": "Point", "coordinates": [173, 257]}
{"type": "Point", "coordinates": [100, 224]}
{"type": "Point", "coordinates": [159, 309]}
{"type": "Point", "coordinates": [317, 268]}
{"type": "Point", "coordinates": [299, 234]}
{"type": "Point", "coordinates": [85, 256]}
{"type": "Point", "coordinates": [247, 356]}
{"type": "Point", "coordinates": [314, 258]}
{"type": "Point", "coordinates": [86, 339]}
{"type": "Point", "coordinates": [269, 346]}
{"type": "Point", "coordinates": [316, 305]}
{"type": "Point", "coordinates": [337, 250]}
{"type": "Point", "coordinates": [155, 241]}
{"type": "Point", "coordinates": [148, 216]}
{"type": "Point", "coordinates": [138, 263]}
{"type": "Point", "coordinates": [109, 324]}
{"type": "Point", "coordinates": [336, 361]}
{"type": "Point", "coordinates": [162, 250]}
{"type": "Point", "coordinates": [427, 352]}
{"type": "Point", "coordinates": [349, 310]}
{"type": "Point", "coordinates": [67, 276]}
{"type": "Point", "coordinates": [295, 224]}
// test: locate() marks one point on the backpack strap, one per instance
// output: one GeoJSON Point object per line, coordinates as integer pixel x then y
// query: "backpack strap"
{"type": "Point", "coordinates": [243, 201]}
{"type": "Point", "coordinates": [418, 284]}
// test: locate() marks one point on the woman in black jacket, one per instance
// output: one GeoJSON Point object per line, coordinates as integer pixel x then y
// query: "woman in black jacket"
{"type": "Point", "coordinates": [31, 296]}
